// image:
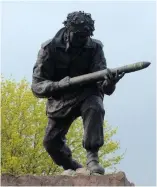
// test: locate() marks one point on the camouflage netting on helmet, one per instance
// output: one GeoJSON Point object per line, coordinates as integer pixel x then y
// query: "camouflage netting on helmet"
{"type": "Point", "coordinates": [79, 22]}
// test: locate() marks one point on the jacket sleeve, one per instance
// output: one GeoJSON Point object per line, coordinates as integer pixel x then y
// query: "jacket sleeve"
{"type": "Point", "coordinates": [99, 60]}
{"type": "Point", "coordinates": [43, 70]}
{"type": "Point", "coordinates": [98, 64]}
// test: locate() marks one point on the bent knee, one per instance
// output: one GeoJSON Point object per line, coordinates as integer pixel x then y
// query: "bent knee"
{"type": "Point", "coordinates": [49, 143]}
{"type": "Point", "coordinates": [95, 108]}
{"type": "Point", "coordinates": [93, 103]}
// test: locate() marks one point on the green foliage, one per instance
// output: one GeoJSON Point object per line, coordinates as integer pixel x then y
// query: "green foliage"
{"type": "Point", "coordinates": [23, 122]}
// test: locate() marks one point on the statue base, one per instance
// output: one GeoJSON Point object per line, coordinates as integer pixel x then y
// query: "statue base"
{"type": "Point", "coordinates": [79, 178]}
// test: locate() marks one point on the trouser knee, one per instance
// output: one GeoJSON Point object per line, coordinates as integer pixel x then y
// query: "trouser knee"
{"type": "Point", "coordinates": [93, 119]}
{"type": "Point", "coordinates": [57, 149]}
{"type": "Point", "coordinates": [52, 144]}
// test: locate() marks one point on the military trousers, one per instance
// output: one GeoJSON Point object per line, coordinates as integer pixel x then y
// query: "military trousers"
{"type": "Point", "coordinates": [92, 112]}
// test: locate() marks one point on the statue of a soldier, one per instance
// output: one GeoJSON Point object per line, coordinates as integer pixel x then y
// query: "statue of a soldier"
{"type": "Point", "coordinates": [72, 52]}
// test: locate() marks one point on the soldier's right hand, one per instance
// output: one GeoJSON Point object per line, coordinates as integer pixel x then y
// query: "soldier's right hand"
{"type": "Point", "coordinates": [64, 83]}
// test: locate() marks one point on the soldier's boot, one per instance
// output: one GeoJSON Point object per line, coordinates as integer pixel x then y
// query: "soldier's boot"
{"type": "Point", "coordinates": [64, 158]}
{"type": "Point", "coordinates": [71, 164]}
{"type": "Point", "coordinates": [93, 163]}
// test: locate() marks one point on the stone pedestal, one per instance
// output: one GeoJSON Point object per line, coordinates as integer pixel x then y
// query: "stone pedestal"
{"type": "Point", "coordinates": [80, 178]}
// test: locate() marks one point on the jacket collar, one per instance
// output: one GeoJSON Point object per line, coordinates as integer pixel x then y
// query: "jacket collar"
{"type": "Point", "coordinates": [59, 41]}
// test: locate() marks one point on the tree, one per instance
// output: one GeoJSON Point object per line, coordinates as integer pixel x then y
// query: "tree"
{"type": "Point", "coordinates": [23, 126]}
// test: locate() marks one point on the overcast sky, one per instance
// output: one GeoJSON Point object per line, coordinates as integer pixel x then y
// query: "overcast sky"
{"type": "Point", "coordinates": [127, 30]}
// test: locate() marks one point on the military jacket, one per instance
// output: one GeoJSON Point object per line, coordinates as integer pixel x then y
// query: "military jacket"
{"type": "Point", "coordinates": [54, 63]}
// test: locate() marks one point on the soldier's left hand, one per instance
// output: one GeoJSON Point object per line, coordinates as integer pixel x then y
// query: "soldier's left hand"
{"type": "Point", "coordinates": [118, 76]}
{"type": "Point", "coordinates": [112, 80]}
{"type": "Point", "coordinates": [108, 78]}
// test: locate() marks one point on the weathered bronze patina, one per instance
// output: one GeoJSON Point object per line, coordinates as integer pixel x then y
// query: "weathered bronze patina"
{"type": "Point", "coordinates": [71, 72]}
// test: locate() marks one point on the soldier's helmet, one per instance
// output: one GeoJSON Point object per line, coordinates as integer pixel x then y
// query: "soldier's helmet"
{"type": "Point", "coordinates": [79, 22]}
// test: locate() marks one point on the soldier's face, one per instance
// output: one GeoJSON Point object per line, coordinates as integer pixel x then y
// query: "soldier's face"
{"type": "Point", "coordinates": [78, 39]}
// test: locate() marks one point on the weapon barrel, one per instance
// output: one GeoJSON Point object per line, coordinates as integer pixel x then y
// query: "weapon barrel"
{"type": "Point", "coordinates": [99, 75]}
{"type": "Point", "coordinates": [132, 67]}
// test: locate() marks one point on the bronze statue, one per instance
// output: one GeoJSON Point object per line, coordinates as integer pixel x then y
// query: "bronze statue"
{"type": "Point", "coordinates": [61, 61]}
